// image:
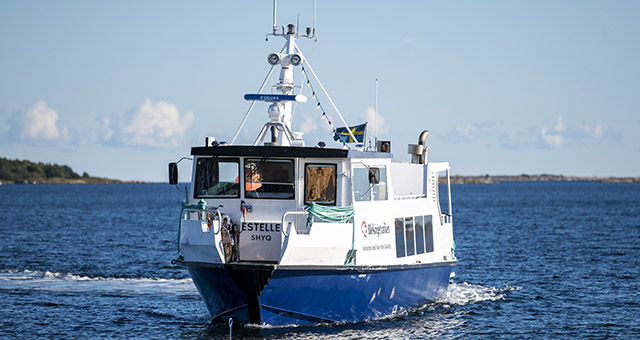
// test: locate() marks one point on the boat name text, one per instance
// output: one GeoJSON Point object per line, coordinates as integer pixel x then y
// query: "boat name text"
{"type": "Point", "coordinates": [261, 226]}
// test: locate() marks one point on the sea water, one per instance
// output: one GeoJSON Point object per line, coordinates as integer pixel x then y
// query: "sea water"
{"type": "Point", "coordinates": [540, 260]}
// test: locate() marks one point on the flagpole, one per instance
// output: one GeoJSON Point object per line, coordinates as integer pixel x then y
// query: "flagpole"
{"type": "Point", "coordinates": [375, 117]}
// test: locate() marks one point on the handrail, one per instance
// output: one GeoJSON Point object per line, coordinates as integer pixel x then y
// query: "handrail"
{"type": "Point", "coordinates": [408, 197]}
{"type": "Point", "coordinates": [206, 210]}
{"type": "Point", "coordinates": [284, 216]}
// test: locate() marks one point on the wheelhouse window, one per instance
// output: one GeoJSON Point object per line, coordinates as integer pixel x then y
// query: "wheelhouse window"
{"type": "Point", "coordinates": [269, 178]}
{"type": "Point", "coordinates": [364, 189]}
{"type": "Point", "coordinates": [320, 184]}
{"type": "Point", "coordinates": [217, 177]}
{"type": "Point", "coordinates": [380, 189]}
{"type": "Point", "coordinates": [361, 186]}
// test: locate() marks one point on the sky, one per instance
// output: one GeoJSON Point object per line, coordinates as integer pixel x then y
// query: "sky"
{"type": "Point", "coordinates": [119, 89]}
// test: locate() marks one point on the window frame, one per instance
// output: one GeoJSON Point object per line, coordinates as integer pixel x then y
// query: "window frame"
{"type": "Point", "coordinates": [335, 184]}
{"type": "Point", "coordinates": [409, 236]}
{"type": "Point", "coordinates": [429, 242]}
{"type": "Point", "coordinates": [381, 184]}
{"type": "Point", "coordinates": [401, 247]}
{"type": "Point", "coordinates": [373, 188]}
{"type": "Point", "coordinates": [358, 198]}
{"type": "Point", "coordinates": [267, 159]}
{"type": "Point", "coordinates": [218, 159]}
{"type": "Point", "coordinates": [418, 229]}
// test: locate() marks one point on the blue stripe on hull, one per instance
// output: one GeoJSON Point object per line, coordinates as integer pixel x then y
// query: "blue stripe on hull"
{"type": "Point", "coordinates": [306, 297]}
{"type": "Point", "coordinates": [309, 296]}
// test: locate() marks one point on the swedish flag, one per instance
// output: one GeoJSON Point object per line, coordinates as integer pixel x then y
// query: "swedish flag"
{"type": "Point", "coordinates": [342, 134]}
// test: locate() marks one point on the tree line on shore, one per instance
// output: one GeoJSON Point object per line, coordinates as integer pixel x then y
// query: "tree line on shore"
{"type": "Point", "coordinates": [495, 179]}
{"type": "Point", "coordinates": [24, 171]}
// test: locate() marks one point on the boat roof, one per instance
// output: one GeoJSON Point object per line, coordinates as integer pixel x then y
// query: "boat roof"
{"type": "Point", "coordinates": [284, 151]}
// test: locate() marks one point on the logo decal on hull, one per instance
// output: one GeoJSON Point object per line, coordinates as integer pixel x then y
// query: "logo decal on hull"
{"type": "Point", "coordinates": [373, 229]}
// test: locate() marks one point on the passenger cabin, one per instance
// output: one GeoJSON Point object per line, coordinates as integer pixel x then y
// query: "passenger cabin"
{"type": "Point", "coordinates": [257, 200]}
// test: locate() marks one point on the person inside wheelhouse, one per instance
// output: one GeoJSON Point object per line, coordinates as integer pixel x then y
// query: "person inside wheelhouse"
{"type": "Point", "coordinates": [269, 178]}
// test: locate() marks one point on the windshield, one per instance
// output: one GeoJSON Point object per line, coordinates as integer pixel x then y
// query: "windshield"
{"type": "Point", "coordinates": [268, 178]}
{"type": "Point", "coordinates": [217, 177]}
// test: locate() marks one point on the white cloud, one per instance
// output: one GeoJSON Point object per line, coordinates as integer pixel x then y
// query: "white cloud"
{"type": "Point", "coordinates": [595, 132]}
{"type": "Point", "coordinates": [563, 134]}
{"type": "Point", "coordinates": [557, 135]}
{"type": "Point", "coordinates": [472, 131]}
{"type": "Point", "coordinates": [467, 131]}
{"type": "Point", "coordinates": [153, 124]}
{"type": "Point", "coordinates": [37, 124]}
{"type": "Point", "coordinates": [550, 138]}
{"type": "Point", "coordinates": [560, 125]}
{"type": "Point", "coordinates": [308, 124]}
{"type": "Point", "coordinates": [372, 119]}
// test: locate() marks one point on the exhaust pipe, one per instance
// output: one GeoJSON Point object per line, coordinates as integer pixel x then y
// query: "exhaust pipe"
{"type": "Point", "coordinates": [418, 152]}
{"type": "Point", "coordinates": [423, 137]}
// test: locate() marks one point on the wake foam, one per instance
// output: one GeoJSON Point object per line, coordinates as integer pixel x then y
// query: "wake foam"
{"type": "Point", "coordinates": [465, 293]}
{"type": "Point", "coordinates": [27, 279]}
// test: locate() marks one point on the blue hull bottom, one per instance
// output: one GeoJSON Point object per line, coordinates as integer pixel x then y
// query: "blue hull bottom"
{"type": "Point", "coordinates": [309, 296]}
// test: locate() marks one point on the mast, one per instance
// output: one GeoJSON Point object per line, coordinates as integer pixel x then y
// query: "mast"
{"type": "Point", "coordinates": [280, 110]}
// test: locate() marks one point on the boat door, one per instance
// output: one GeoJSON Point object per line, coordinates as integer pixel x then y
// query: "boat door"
{"type": "Point", "coordinates": [319, 183]}
{"type": "Point", "coordinates": [269, 191]}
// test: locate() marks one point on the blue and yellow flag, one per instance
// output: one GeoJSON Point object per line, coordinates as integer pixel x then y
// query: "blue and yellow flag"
{"type": "Point", "coordinates": [342, 134]}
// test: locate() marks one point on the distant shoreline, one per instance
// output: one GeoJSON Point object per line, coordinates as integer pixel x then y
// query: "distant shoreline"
{"type": "Point", "coordinates": [492, 179]}
{"type": "Point", "coordinates": [455, 179]}
{"type": "Point", "coordinates": [93, 180]}
{"type": "Point", "coordinates": [15, 171]}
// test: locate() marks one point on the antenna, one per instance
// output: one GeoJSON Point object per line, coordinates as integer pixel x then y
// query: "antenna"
{"type": "Point", "coordinates": [375, 117]}
{"type": "Point", "coordinates": [298, 24]}
{"type": "Point", "coordinates": [314, 18]}
{"type": "Point", "coordinates": [275, 26]}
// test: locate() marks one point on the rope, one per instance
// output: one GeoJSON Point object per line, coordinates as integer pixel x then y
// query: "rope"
{"type": "Point", "coordinates": [335, 215]}
{"type": "Point", "coordinates": [201, 205]}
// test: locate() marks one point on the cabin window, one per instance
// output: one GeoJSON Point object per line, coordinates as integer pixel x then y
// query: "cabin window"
{"type": "Point", "coordinates": [399, 222]}
{"type": "Point", "coordinates": [380, 189]}
{"type": "Point", "coordinates": [444, 194]}
{"type": "Point", "coordinates": [217, 177]}
{"type": "Point", "coordinates": [419, 228]}
{"type": "Point", "coordinates": [363, 189]}
{"type": "Point", "coordinates": [409, 236]}
{"type": "Point", "coordinates": [428, 234]}
{"type": "Point", "coordinates": [414, 235]}
{"type": "Point", "coordinates": [320, 184]}
{"type": "Point", "coordinates": [361, 186]}
{"type": "Point", "coordinates": [268, 178]}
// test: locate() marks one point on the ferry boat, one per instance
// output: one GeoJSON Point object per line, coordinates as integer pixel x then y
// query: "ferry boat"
{"type": "Point", "coordinates": [283, 233]}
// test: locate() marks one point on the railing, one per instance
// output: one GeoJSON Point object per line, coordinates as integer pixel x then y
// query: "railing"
{"type": "Point", "coordinates": [186, 215]}
{"type": "Point", "coordinates": [408, 197]}
{"type": "Point", "coordinates": [445, 218]}
{"type": "Point", "coordinates": [288, 213]}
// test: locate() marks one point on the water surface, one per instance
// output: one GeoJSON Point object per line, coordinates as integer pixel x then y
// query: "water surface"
{"type": "Point", "coordinates": [537, 260]}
